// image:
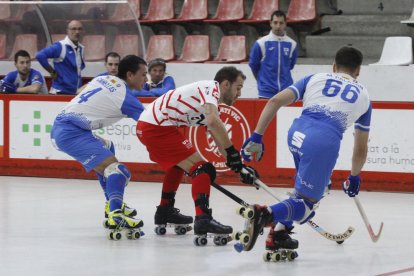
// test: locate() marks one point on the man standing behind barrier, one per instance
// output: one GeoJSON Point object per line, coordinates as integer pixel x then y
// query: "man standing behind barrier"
{"type": "Point", "coordinates": [272, 57]}
{"type": "Point", "coordinates": [24, 79]}
{"type": "Point", "coordinates": [195, 104]}
{"type": "Point", "coordinates": [111, 64]}
{"type": "Point", "coordinates": [104, 101]}
{"type": "Point", "coordinates": [68, 61]}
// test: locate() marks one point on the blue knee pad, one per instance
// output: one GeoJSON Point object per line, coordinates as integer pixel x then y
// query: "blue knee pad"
{"type": "Point", "coordinates": [293, 209]}
{"type": "Point", "coordinates": [117, 169]}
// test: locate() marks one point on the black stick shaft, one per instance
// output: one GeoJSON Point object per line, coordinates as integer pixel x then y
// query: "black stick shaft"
{"type": "Point", "coordinates": [230, 194]}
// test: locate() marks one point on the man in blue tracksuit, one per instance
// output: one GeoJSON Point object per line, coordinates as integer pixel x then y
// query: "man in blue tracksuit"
{"type": "Point", "coordinates": [272, 57]}
{"type": "Point", "coordinates": [160, 82]}
{"type": "Point", "coordinates": [68, 61]}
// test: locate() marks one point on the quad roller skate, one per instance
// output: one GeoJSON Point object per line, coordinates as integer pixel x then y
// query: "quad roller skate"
{"type": "Point", "coordinates": [119, 222]}
{"type": "Point", "coordinates": [257, 217]}
{"type": "Point", "coordinates": [168, 216]}
{"type": "Point", "coordinates": [280, 246]}
{"type": "Point", "coordinates": [128, 211]}
{"type": "Point", "coordinates": [207, 227]}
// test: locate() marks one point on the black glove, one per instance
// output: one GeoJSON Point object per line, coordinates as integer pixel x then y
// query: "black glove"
{"type": "Point", "coordinates": [249, 177]}
{"type": "Point", "coordinates": [234, 161]}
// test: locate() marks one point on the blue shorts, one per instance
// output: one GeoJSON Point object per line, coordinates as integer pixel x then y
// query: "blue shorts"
{"type": "Point", "coordinates": [315, 149]}
{"type": "Point", "coordinates": [79, 143]}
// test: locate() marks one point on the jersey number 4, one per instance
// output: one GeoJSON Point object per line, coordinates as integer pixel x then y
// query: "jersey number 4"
{"type": "Point", "coordinates": [349, 92]}
{"type": "Point", "coordinates": [85, 96]}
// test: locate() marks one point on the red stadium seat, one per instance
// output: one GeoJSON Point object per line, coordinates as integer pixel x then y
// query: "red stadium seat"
{"type": "Point", "coordinates": [196, 49]}
{"type": "Point", "coordinates": [261, 11]}
{"type": "Point", "coordinates": [123, 13]}
{"type": "Point", "coordinates": [160, 46]}
{"type": "Point", "coordinates": [58, 37]}
{"type": "Point", "coordinates": [159, 10]}
{"type": "Point", "coordinates": [3, 46]}
{"type": "Point", "coordinates": [231, 49]}
{"type": "Point", "coordinates": [94, 47]}
{"type": "Point", "coordinates": [5, 12]}
{"type": "Point", "coordinates": [26, 42]}
{"type": "Point", "coordinates": [192, 10]}
{"type": "Point", "coordinates": [301, 11]}
{"type": "Point", "coordinates": [126, 45]}
{"type": "Point", "coordinates": [228, 10]}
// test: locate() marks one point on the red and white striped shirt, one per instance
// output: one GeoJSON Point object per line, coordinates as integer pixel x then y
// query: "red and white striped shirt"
{"type": "Point", "coordinates": [183, 106]}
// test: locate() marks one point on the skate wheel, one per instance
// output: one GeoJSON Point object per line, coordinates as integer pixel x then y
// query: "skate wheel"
{"type": "Point", "coordinates": [136, 235]}
{"type": "Point", "coordinates": [276, 257]}
{"type": "Point", "coordinates": [179, 230]}
{"type": "Point", "coordinates": [240, 210]}
{"type": "Point", "coordinates": [216, 240]}
{"type": "Point", "coordinates": [109, 236]}
{"type": "Point", "coordinates": [248, 213]}
{"type": "Point", "coordinates": [244, 238]}
{"type": "Point", "coordinates": [238, 247]}
{"type": "Point", "coordinates": [236, 235]}
{"type": "Point", "coordinates": [223, 241]}
{"type": "Point", "coordinates": [202, 241]}
{"type": "Point", "coordinates": [339, 242]}
{"type": "Point", "coordinates": [115, 236]}
{"type": "Point", "coordinates": [291, 255]}
{"type": "Point", "coordinates": [195, 241]}
{"type": "Point", "coordinates": [159, 230]}
{"type": "Point", "coordinates": [266, 257]}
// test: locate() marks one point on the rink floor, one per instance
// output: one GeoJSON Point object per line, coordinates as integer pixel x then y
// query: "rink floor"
{"type": "Point", "coordinates": [54, 227]}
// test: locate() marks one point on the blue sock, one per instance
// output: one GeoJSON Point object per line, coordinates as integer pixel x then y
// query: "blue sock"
{"type": "Point", "coordinates": [102, 181]}
{"type": "Point", "coordinates": [115, 186]}
{"type": "Point", "coordinates": [288, 210]}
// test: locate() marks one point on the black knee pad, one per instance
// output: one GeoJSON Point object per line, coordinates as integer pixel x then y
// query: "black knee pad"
{"type": "Point", "coordinates": [207, 168]}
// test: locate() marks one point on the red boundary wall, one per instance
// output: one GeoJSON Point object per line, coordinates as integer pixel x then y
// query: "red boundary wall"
{"type": "Point", "coordinates": [251, 108]}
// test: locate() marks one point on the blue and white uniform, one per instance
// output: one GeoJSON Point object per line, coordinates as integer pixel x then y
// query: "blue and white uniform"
{"type": "Point", "coordinates": [331, 103]}
{"type": "Point", "coordinates": [68, 62]}
{"type": "Point", "coordinates": [33, 77]}
{"type": "Point", "coordinates": [271, 59]}
{"type": "Point", "coordinates": [104, 101]}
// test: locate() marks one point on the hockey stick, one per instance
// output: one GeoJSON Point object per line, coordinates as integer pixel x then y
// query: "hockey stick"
{"type": "Point", "coordinates": [374, 237]}
{"type": "Point", "coordinates": [338, 238]}
{"type": "Point", "coordinates": [230, 194]}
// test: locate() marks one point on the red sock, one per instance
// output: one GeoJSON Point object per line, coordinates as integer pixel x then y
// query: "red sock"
{"type": "Point", "coordinates": [172, 180]}
{"type": "Point", "coordinates": [200, 185]}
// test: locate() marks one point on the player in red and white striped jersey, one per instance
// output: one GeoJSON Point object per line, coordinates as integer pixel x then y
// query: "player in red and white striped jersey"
{"type": "Point", "coordinates": [195, 104]}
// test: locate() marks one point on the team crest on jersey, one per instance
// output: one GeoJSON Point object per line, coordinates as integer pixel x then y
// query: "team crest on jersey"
{"type": "Point", "coordinates": [286, 51]}
{"type": "Point", "coordinates": [237, 128]}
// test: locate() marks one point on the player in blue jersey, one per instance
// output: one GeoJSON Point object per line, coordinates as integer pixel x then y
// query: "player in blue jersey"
{"type": "Point", "coordinates": [104, 101]}
{"type": "Point", "coordinates": [331, 103]}
{"type": "Point", "coordinates": [24, 79]}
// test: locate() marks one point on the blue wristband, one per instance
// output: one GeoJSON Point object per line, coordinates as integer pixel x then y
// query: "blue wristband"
{"type": "Point", "coordinates": [355, 178]}
{"type": "Point", "coordinates": [256, 137]}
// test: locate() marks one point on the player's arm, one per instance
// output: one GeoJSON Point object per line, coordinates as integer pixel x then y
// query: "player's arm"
{"type": "Point", "coordinates": [360, 151]}
{"type": "Point", "coordinates": [30, 89]}
{"type": "Point", "coordinates": [255, 58]}
{"type": "Point", "coordinates": [216, 128]}
{"type": "Point", "coordinates": [283, 98]}
{"type": "Point", "coordinates": [43, 55]}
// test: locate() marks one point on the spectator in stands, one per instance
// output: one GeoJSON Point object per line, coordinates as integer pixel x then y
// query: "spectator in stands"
{"type": "Point", "coordinates": [160, 83]}
{"type": "Point", "coordinates": [272, 57]}
{"type": "Point", "coordinates": [24, 79]}
{"type": "Point", "coordinates": [111, 64]}
{"type": "Point", "coordinates": [68, 61]}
